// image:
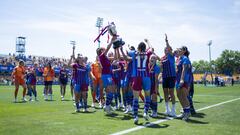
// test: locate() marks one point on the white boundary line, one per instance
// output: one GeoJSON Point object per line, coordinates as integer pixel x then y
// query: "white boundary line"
{"type": "Point", "coordinates": [167, 119]}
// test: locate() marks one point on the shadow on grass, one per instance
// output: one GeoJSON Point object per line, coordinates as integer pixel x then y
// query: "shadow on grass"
{"type": "Point", "coordinates": [19, 102]}
{"type": "Point", "coordinates": [112, 115]}
{"type": "Point", "coordinates": [66, 100]}
{"type": "Point", "coordinates": [49, 100]}
{"type": "Point", "coordinates": [88, 112]}
{"type": "Point", "coordinates": [196, 121]}
{"type": "Point", "coordinates": [198, 115]}
{"type": "Point", "coordinates": [158, 126]}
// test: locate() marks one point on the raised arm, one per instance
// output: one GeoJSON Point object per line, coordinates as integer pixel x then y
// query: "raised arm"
{"type": "Point", "coordinates": [169, 48]}
{"type": "Point", "coordinates": [110, 45]}
{"type": "Point", "coordinates": [125, 57]}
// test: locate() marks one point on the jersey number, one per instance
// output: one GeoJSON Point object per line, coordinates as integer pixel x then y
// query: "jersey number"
{"type": "Point", "coordinates": [144, 62]}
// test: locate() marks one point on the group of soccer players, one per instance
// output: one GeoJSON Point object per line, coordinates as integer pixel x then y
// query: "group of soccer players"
{"type": "Point", "coordinates": [122, 76]}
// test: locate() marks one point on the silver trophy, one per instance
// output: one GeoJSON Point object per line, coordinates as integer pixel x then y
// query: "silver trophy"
{"type": "Point", "coordinates": [113, 32]}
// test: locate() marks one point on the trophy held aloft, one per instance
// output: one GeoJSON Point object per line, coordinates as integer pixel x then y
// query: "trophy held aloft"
{"type": "Point", "coordinates": [113, 32]}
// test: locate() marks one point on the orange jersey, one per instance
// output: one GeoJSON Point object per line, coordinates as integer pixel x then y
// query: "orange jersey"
{"type": "Point", "coordinates": [96, 70]}
{"type": "Point", "coordinates": [19, 73]}
{"type": "Point", "coordinates": [48, 74]}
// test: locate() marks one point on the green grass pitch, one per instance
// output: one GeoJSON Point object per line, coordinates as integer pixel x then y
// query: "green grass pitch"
{"type": "Point", "coordinates": [59, 118]}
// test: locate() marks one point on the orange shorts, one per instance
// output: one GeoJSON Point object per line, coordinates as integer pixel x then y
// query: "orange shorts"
{"type": "Point", "coordinates": [20, 81]}
{"type": "Point", "coordinates": [97, 81]}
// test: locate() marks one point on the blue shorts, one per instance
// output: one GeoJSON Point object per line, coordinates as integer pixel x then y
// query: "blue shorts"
{"type": "Point", "coordinates": [140, 83]}
{"type": "Point", "coordinates": [80, 87]}
{"type": "Point", "coordinates": [107, 80]}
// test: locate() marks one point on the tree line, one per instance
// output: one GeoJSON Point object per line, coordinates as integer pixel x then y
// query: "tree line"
{"type": "Point", "coordinates": [227, 63]}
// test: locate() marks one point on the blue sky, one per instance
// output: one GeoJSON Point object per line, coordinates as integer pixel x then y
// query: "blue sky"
{"type": "Point", "coordinates": [49, 25]}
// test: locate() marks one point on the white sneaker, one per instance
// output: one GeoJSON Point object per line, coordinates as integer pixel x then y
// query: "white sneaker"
{"type": "Point", "coordinates": [93, 105]}
{"type": "Point", "coordinates": [62, 99]}
{"type": "Point", "coordinates": [30, 99]}
{"type": "Point", "coordinates": [136, 120]}
{"type": "Point", "coordinates": [145, 116]}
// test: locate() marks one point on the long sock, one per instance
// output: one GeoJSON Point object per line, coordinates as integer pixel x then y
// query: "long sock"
{"type": "Point", "coordinates": [147, 104]}
{"type": "Point", "coordinates": [109, 98]}
{"type": "Point", "coordinates": [35, 93]}
{"type": "Point", "coordinates": [77, 105]}
{"type": "Point", "coordinates": [186, 109]}
{"type": "Point", "coordinates": [167, 106]}
{"type": "Point", "coordinates": [190, 100]}
{"type": "Point", "coordinates": [116, 99]}
{"type": "Point", "coordinates": [141, 96]}
{"type": "Point", "coordinates": [94, 96]}
{"type": "Point", "coordinates": [85, 104]}
{"type": "Point", "coordinates": [154, 106]}
{"type": "Point", "coordinates": [131, 97]}
{"type": "Point", "coordinates": [30, 91]}
{"type": "Point", "coordinates": [125, 98]}
{"type": "Point", "coordinates": [119, 96]}
{"type": "Point", "coordinates": [135, 107]}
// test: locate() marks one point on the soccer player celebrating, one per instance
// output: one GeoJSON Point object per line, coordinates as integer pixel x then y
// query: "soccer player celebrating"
{"type": "Point", "coordinates": [63, 79]}
{"type": "Point", "coordinates": [154, 71]}
{"type": "Point", "coordinates": [141, 80]}
{"type": "Point", "coordinates": [31, 82]}
{"type": "Point", "coordinates": [18, 76]}
{"type": "Point", "coordinates": [127, 84]}
{"type": "Point", "coordinates": [81, 73]}
{"type": "Point", "coordinates": [106, 74]}
{"type": "Point", "coordinates": [183, 76]}
{"type": "Point", "coordinates": [48, 75]}
{"type": "Point", "coordinates": [168, 77]}
{"type": "Point", "coordinates": [96, 70]}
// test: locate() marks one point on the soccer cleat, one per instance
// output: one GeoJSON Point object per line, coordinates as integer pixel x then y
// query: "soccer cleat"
{"type": "Point", "coordinates": [108, 109]}
{"type": "Point", "coordinates": [136, 120]}
{"type": "Point", "coordinates": [168, 113]}
{"type": "Point", "coordinates": [145, 116]}
{"type": "Point", "coordinates": [51, 98]}
{"type": "Point", "coordinates": [77, 110]}
{"type": "Point", "coordinates": [15, 100]}
{"type": "Point", "coordinates": [30, 99]}
{"type": "Point", "coordinates": [173, 114]}
{"type": "Point", "coordinates": [85, 110]}
{"type": "Point", "coordinates": [62, 98]}
{"type": "Point", "coordinates": [45, 97]}
{"type": "Point", "coordinates": [186, 116]}
{"type": "Point", "coordinates": [120, 105]}
{"type": "Point", "coordinates": [154, 114]}
{"type": "Point", "coordinates": [24, 99]}
{"type": "Point", "coordinates": [161, 99]}
{"type": "Point", "coordinates": [100, 105]}
{"type": "Point", "coordinates": [93, 105]}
